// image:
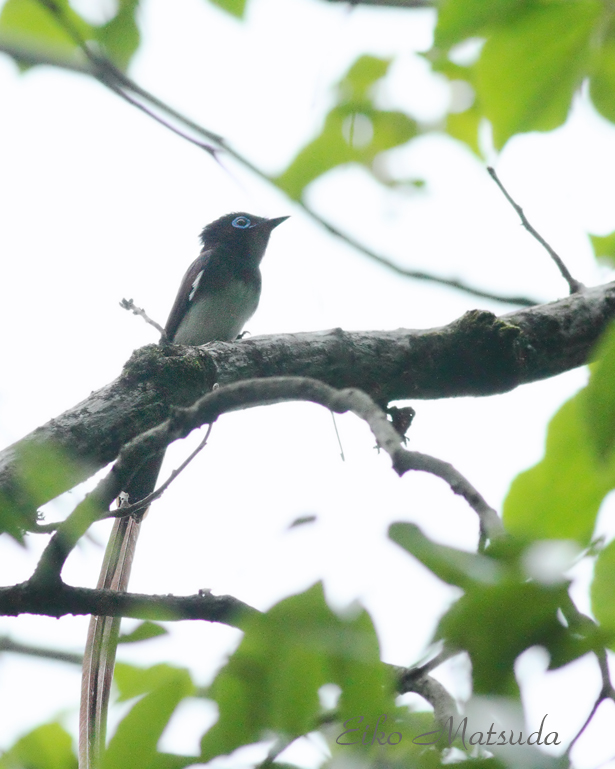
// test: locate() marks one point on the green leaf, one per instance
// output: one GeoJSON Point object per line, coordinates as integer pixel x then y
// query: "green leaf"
{"type": "Point", "coordinates": [45, 471]}
{"type": "Point", "coordinates": [355, 131]}
{"type": "Point", "coordinates": [46, 747]}
{"type": "Point", "coordinates": [604, 246]}
{"type": "Point", "coordinates": [271, 683]}
{"type": "Point", "coordinates": [133, 681]}
{"type": "Point", "coordinates": [30, 23]}
{"type": "Point", "coordinates": [172, 761]}
{"type": "Point", "coordinates": [496, 623]}
{"type": "Point", "coordinates": [598, 399]}
{"type": "Point", "coordinates": [234, 7]}
{"type": "Point", "coordinates": [42, 472]}
{"type": "Point", "coordinates": [136, 738]}
{"type": "Point", "coordinates": [464, 127]}
{"type": "Point", "coordinates": [460, 19]}
{"type": "Point", "coordinates": [455, 567]}
{"type": "Point", "coordinates": [13, 521]}
{"type": "Point", "coordinates": [529, 69]}
{"type": "Point", "coordinates": [120, 35]}
{"type": "Point", "coordinates": [602, 80]}
{"type": "Point", "coordinates": [603, 591]}
{"type": "Point", "coordinates": [143, 632]}
{"type": "Point", "coordinates": [348, 136]}
{"type": "Point", "coordinates": [559, 498]}
{"type": "Point", "coordinates": [355, 86]}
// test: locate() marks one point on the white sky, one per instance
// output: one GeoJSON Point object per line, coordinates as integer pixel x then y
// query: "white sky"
{"type": "Point", "coordinates": [99, 203]}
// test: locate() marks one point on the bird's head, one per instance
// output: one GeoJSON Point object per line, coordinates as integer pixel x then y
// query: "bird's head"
{"type": "Point", "coordinates": [240, 232]}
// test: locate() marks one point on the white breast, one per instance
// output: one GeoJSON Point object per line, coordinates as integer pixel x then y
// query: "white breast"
{"type": "Point", "coordinates": [219, 318]}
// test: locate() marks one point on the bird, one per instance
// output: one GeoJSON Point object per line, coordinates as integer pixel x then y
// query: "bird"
{"type": "Point", "coordinates": [221, 289]}
{"type": "Point", "coordinates": [219, 293]}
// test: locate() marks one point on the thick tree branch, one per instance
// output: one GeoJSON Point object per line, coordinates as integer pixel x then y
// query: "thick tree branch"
{"type": "Point", "coordinates": [478, 354]}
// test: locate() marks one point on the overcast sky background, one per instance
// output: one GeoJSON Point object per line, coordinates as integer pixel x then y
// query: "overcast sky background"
{"type": "Point", "coordinates": [100, 203]}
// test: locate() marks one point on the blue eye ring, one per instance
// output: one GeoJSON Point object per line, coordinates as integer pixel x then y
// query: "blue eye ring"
{"type": "Point", "coordinates": [241, 222]}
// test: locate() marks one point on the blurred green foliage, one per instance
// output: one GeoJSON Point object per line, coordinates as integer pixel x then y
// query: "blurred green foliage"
{"type": "Point", "coordinates": [56, 28]}
{"type": "Point", "coordinates": [271, 683]}
{"type": "Point", "coordinates": [355, 130]}
{"type": "Point", "coordinates": [235, 7]}
{"type": "Point", "coordinates": [604, 248]}
{"type": "Point", "coordinates": [47, 747]}
{"type": "Point", "coordinates": [532, 59]}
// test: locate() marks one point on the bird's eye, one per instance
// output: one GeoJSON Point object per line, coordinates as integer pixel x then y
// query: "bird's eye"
{"type": "Point", "coordinates": [241, 222]}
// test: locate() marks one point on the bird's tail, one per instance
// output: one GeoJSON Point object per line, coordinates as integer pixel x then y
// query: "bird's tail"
{"type": "Point", "coordinates": [103, 633]}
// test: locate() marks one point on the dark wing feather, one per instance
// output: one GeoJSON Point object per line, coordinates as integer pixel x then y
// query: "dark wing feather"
{"type": "Point", "coordinates": [185, 294]}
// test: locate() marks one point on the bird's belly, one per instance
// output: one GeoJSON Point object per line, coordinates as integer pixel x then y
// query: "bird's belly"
{"type": "Point", "coordinates": [220, 317]}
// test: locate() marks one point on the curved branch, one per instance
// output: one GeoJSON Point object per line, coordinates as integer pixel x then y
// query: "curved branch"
{"type": "Point", "coordinates": [238, 396]}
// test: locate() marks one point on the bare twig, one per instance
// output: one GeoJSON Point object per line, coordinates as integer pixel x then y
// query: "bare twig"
{"type": "Point", "coordinates": [584, 624]}
{"type": "Point", "coordinates": [128, 304]}
{"type": "Point", "coordinates": [124, 510]}
{"type": "Point", "coordinates": [165, 123]}
{"type": "Point", "coordinates": [430, 665]}
{"type": "Point", "coordinates": [607, 692]}
{"type": "Point", "coordinates": [573, 284]}
{"type": "Point", "coordinates": [339, 440]}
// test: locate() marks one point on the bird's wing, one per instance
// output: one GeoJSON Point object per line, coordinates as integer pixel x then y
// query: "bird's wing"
{"type": "Point", "coordinates": [186, 293]}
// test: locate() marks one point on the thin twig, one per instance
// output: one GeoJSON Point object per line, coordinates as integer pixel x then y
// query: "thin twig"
{"type": "Point", "coordinates": [128, 304]}
{"type": "Point", "coordinates": [125, 510]}
{"type": "Point", "coordinates": [523, 301]}
{"type": "Point", "coordinates": [105, 69]}
{"type": "Point", "coordinates": [573, 284]}
{"type": "Point", "coordinates": [606, 693]}
{"type": "Point", "coordinates": [589, 718]}
{"type": "Point", "coordinates": [584, 624]}
{"type": "Point", "coordinates": [431, 664]}
{"type": "Point", "coordinates": [150, 113]}
{"type": "Point", "coordinates": [8, 645]}
{"type": "Point", "coordinates": [337, 435]}
{"type": "Point", "coordinates": [113, 78]}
